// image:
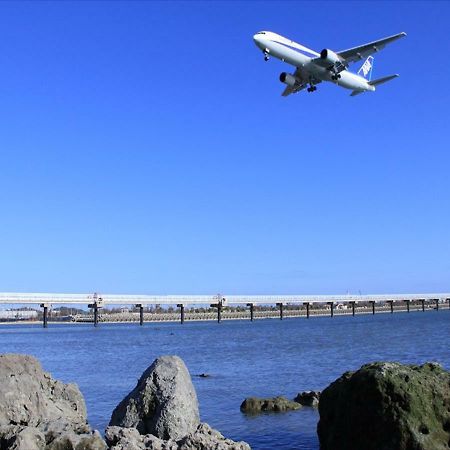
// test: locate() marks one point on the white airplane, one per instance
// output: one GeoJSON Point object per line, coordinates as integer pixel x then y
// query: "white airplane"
{"type": "Point", "coordinates": [312, 68]}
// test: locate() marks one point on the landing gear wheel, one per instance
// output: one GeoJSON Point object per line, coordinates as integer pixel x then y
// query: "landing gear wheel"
{"type": "Point", "coordinates": [266, 58]}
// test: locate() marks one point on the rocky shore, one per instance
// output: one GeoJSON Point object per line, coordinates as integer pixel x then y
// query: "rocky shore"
{"type": "Point", "coordinates": [381, 406]}
{"type": "Point", "coordinates": [161, 413]}
{"type": "Point", "coordinates": [38, 412]}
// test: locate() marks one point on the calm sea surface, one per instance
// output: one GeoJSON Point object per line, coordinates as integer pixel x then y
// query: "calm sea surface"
{"type": "Point", "coordinates": [264, 358]}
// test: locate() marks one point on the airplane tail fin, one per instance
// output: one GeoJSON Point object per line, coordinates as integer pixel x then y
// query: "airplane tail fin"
{"type": "Point", "coordinates": [383, 80]}
{"type": "Point", "coordinates": [366, 68]}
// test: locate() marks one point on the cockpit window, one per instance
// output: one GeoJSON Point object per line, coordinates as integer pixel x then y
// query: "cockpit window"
{"type": "Point", "coordinates": [261, 32]}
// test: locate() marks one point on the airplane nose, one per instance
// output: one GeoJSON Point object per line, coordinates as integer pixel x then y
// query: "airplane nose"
{"type": "Point", "coordinates": [257, 40]}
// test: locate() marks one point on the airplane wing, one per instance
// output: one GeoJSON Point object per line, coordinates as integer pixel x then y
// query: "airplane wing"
{"type": "Point", "coordinates": [363, 51]}
{"type": "Point", "coordinates": [298, 86]}
{"type": "Point", "coordinates": [293, 89]}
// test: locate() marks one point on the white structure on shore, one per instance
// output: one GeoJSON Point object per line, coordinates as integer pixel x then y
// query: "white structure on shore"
{"type": "Point", "coordinates": [15, 314]}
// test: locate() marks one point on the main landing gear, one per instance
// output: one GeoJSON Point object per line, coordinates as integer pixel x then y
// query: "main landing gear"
{"type": "Point", "coordinates": [336, 76]}
{"type": "Point", "coordinates": [312, 88]}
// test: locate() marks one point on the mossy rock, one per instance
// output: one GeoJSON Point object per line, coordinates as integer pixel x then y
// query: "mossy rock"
{"type": "Point", "coordinates": [255, 405]}
{"type": "Point", "coordinates": [387, 406]}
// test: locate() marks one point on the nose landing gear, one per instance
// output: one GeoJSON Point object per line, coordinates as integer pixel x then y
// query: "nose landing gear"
{"type": "Point", "coordinates": [266, 54]}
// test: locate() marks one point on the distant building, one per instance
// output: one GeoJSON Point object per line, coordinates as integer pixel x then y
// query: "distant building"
{"type": "Point", "coordinates": [18, 315]}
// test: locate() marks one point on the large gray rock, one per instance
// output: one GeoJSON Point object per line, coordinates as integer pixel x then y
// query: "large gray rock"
{"type": "Point", "coordinates": [387, 406]}
{"type": "Point", "coordinates": [36, 411]}
{"type": "Point", "coordinates": [164, 402]}
{"type": "Point", "coordinates": [161, 413]}
{"type": "Point", "coordinates": [29, 396]}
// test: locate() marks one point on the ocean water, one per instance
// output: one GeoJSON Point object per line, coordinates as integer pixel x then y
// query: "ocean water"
{"type": "Point", "coordinates": [264, 358]}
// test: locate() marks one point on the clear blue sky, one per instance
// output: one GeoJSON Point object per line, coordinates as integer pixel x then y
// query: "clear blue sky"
{"type": "Point", "coordinates": [145, 148]}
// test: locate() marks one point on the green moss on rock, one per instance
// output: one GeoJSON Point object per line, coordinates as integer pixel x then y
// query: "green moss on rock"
{"type": "Point", "coordinates": [387, 406]}
{"type": "Point", "coordinates": [255, 405]}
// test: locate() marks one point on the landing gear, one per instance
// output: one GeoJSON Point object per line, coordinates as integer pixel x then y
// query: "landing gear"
{"type": "Point", "coordinates": [312, 88]}
{"type": "Point", "coordinates": [336, 76]}
{"type": "Point", "coordinates": [266, 54]}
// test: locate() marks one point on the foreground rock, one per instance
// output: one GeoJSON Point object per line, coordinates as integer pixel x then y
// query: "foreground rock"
{"type": "Point", "coordinates": [308, 398]}
{"type": "Point", "coordinates": [162, 413]}
{"type": "Point", "coordinates": [255, 405]}
{"type": "Point", "coordinates": [387, 406]}
{"type": "Point", "coordinates": [164, 402]}
{"type": "Point", "coordinates": [38, 412]}
{"type": "Point", "coordinates": [203, 438]}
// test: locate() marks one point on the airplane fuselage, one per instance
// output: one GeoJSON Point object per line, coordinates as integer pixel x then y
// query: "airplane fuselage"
{"type": "Point", "coordinates": [302, 58]}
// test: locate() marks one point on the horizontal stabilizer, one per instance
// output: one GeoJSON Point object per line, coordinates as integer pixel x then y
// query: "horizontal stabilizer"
{"type": "Point", "coordinates": [382, 80]}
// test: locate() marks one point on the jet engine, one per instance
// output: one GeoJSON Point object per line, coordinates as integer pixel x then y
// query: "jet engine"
{"type": "Point", "coordinates": [288, 79]}
{"type": "Point", "coordinates": [330, 57]}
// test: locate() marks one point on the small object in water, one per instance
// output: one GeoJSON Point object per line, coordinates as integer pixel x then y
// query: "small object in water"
{"type": "Point", "coordinates": [255, 405]}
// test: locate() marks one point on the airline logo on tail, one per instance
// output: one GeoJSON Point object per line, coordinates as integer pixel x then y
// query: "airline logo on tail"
{"type": "Point", "coordinates": [366, 68]}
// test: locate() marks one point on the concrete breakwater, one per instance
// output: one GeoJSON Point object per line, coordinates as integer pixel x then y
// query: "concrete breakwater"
{"type": "Point", "coordinates": [258, 313]}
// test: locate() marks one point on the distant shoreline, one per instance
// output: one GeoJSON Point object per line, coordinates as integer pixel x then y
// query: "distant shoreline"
{"type": "Point", "coordinates": [122, 318]}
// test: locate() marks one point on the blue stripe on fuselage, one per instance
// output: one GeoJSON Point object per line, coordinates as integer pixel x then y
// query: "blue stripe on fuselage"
{"type": "Point", "coordinates": [303, 52]}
